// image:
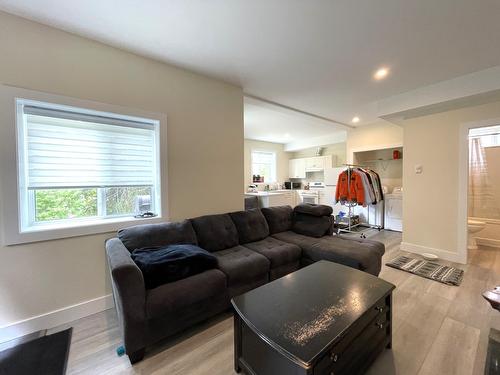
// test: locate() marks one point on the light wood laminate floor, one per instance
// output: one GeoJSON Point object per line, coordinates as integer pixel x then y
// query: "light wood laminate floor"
{"type": "Point", "coordinates": [438, 329]}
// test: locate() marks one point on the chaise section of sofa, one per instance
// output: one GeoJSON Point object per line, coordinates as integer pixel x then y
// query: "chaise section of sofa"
{"type": "Point", "coordinates": [364, 255]}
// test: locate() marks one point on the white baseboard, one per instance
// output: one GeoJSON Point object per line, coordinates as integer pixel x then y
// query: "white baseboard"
{"type": "Point", "coordinates": [488, 242]}
{"type": "Point", "coordinates": [443, 254]}
{"type": "Point", "coordinates": [55, 318]}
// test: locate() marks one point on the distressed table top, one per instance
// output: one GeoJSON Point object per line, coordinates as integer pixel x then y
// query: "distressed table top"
{"type": "Point", "coordinates": [308, 310]}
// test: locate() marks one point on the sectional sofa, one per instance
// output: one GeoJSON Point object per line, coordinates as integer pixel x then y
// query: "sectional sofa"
{"type": "Point", "coordinates": [252, 247]}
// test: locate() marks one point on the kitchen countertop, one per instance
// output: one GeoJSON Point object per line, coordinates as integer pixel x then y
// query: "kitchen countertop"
{"type": "Point", "coordinates": [270, 192]}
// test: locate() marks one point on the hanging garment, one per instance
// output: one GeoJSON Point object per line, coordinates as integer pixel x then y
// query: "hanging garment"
{"type": "Point", "coordinates": [353, 191]}
{"type": "Point", "coordinates": [378, 181]}
{"type": "Point", "coordinates": [367, 186]}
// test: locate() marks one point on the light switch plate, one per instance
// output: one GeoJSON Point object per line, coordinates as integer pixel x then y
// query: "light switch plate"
{"type": "Point", "coordinates": [418, 169]}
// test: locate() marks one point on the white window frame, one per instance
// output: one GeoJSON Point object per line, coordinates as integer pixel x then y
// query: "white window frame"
{"type": "Point", "coordinates": [274, 167]}
{"type": "Point", "coordinates": [12, 181]}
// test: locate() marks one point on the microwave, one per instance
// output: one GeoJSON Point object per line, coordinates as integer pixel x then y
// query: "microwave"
{"type": "Point", "coordinates": [292, 185]}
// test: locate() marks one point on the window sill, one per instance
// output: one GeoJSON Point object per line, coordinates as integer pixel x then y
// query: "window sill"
{"type": "Point", "coordinates": [82, 228]}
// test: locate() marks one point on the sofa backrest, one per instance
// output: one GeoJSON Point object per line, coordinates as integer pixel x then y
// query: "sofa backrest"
{"type": "Point", "coordinates": [279, 219]}
{"type": "Point", "coordinates": [215, 232]}
{"type": "Point", "coordinates": [163, 234]}
{"type": "Point", "coordinates": [250, 224]}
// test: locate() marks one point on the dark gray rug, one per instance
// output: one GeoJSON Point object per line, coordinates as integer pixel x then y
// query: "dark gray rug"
{"type": "Point", "coordinates": [47, 355]}
{"type": "Point", "coordinates": [429, 270]}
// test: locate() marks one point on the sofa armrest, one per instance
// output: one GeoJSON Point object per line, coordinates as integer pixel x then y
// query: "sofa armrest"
{"type": "Point", "coordinates": [129, 294]}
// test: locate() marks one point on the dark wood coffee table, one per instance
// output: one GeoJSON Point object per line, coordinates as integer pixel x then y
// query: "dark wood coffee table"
{"type": "Point", "coordinates": [323, 319]}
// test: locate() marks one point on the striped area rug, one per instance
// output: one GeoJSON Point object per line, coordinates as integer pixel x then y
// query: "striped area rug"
{"type": "Point", "coordinates": [430, 270]}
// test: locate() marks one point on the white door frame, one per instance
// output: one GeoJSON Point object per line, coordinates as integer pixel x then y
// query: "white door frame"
{"type": "Point", "coordinates": [463, 182]}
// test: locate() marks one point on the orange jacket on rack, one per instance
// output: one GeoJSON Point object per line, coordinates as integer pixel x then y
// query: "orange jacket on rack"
{"type": "Point", "coordinates": [353, 192]}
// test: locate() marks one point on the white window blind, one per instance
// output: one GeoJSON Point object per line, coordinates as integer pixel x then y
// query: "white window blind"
{"type": "Point", "coordinates": [490, 136]}
{"type": "Point", "coordinates": [70, 149]}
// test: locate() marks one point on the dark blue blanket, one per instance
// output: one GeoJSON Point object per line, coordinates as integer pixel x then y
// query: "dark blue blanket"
{"type": "Point", "coordinates": [161, 265]}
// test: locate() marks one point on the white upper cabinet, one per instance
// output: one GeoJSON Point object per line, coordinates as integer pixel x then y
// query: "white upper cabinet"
{"type": "Point", "coordinates": [297, 168]}
{"type": "Point", "coordinates": [318, 163]}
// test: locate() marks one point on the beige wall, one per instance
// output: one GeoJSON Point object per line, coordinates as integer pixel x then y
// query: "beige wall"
{"type": "Point", "coordinates": [337, 150]}
{"type": "Point", "coordinates": [282, 158]}
{"type": "Point", "coordinates": [430, 199]}
{"type": "Point", "coordinates": [205, 151]}
{"type": "Point", "coordinates": [375, 136]}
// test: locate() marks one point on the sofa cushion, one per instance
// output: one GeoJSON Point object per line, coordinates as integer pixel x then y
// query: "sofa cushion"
{"type": "Point", "coordinates": [365, 255]}
{"type": "Point", "coordinates": [278, 252]}
{"type": "Point", "coordinates": [180, 294]}
{"type": "Point", "coordinates": [279, 219]}
{"type": "Point", "coordinates": [313, 209]}
{"type": "Point", "coordinates": [314, 226]}
{"type": "Point", "coordinates": [171, 263]}
{"type": "Point", "coordinates": [215, 232]}
{"type": "Point", "coordinates": [241, 264]}
{"type": "Point", "coordinates": [250, 224]}
{"type": "Point", "coordinates": [153, 235]}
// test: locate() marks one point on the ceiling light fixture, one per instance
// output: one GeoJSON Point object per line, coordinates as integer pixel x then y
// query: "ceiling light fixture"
{"type": "Point", "coordinates": [381, 73]}
{"type": "Point", "coordinates": [355, 120]}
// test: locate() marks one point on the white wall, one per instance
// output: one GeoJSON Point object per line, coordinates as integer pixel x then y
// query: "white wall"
{"type": "Point", "coordinates": [282, 158]}
{"type": "Point", "coordinates": [375, 136]}
{"type": "Point", "coordinates": [205, 149]}
{"type": "Point", "coordinates": [337, 150]}
{"type": "Point", "coordinates": [430, 204]}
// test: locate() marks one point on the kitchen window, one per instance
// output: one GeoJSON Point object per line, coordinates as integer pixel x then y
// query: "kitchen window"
{"type": "Point", "coordinates": [78, 166]}
{"type": "Point", "coordinates": [264, 165]}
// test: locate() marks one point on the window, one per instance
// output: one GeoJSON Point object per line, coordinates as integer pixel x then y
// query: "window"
{"type": "Point", "coordinates": [78, 166]}
{"type": "Point", "coordinates": [264, 165]}
{"type": "Point", "coordinates": [490, 136]}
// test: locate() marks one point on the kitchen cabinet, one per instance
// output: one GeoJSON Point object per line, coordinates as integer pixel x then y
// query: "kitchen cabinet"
{"type": "Point", "coordinates": [316, 163]}
{"type": "Point", "coordinates": [280, 200]}
{"type": "Point", "coordinates": [276, 198]}
{"type": "Point", "coordinates": [297, 168]}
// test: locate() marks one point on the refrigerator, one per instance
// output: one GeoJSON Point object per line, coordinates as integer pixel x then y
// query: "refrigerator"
{"type": "Point", "coordinates": [327, 196]}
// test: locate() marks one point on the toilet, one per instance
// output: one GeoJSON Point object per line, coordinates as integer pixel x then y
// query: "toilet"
{"type": "Point", "coordinates": [474, 226]}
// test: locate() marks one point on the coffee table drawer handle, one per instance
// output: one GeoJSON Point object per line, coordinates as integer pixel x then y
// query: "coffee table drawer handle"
{"type": "Point", "coordinates": [379, 309]}
{"type": "Point", "coordinates": [380, 325]}
{"type": "Point", "coordinates": [334, 357]}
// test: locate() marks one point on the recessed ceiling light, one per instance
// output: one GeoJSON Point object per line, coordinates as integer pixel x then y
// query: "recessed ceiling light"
{"type": "Point", "coordinates": [381, 73]}
{"type": "Point", "coordinates": [287, 135]}
{"type": "Point", "coordinates": [355, 120]}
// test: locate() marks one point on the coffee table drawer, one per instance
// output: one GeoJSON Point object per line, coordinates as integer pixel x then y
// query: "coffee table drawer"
{"type": "Point", "coordinates": [373, 326]}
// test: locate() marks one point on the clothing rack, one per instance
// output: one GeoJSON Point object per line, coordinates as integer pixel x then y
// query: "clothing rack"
{"type": "Point", "coordinates": [351, 205]}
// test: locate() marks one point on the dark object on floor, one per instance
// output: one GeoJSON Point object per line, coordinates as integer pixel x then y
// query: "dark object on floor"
{"type": "Point", "coordinates": [493, 297]}
{"type": "Point", "coordinates": [311, 321]}
{"type": "Point", "coordinates": [430, 270]}
{"type": "Point", "coordinates": [251, 202]}
{"type": "Point", "coordinates": [161, 265]}
{"type": "Point", "coordinates": [47, 355]}
{"type": "Point", "coordinates": [492, 365]}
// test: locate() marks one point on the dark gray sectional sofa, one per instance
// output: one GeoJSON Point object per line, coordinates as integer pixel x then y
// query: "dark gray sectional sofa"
{"type": "Point", "coordinates": [253, 247]}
